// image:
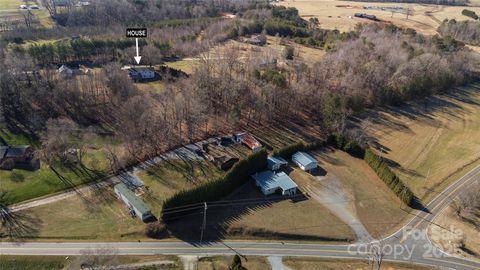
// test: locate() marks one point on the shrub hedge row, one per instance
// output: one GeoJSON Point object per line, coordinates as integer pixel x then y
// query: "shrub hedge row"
{"type": "Point", "coordinates": [238, 175]}
{"type": "Point", "coordinates": [287, 151]}
{"type": "Point", "coordinates": [343, 143]}
{"type": "Point", "coordinates": [382, 169]}
{"type": "Point", "coordinates": [470, 14]}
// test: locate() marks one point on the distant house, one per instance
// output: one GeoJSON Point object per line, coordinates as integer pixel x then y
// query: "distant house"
{"type": "Point", "coordinates": [219, 155]}
{"type": "Point", "coordinates": [366, 16]}
{"type": "Point", "coordinates": [134, 203]}
{"type": "Point", "coordinates": [249, 141]}
{"type": "Point", "coordinates": [258, 40]}
{"type": "Point", "coordinates": [19, 156]}
{"type": "Point", "coordinates": [275, 163]}
{"type": "Point", "coordinates": [270, 182]}
{"type": "Point", "coordinates": [305, 161]}
{"type": "Point", "coordinates": [69, 70]}
{"type": "Point", "coordinates": [143, 73]}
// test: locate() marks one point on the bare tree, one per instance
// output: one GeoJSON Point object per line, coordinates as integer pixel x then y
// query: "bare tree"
{"type": "Point", "coordinates": [375, 256]}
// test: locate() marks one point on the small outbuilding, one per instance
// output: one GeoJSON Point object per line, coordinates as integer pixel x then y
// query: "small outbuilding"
{"type": "Point", "coordinates": [271, 182]}
{"type": "Point", "coordinates": [69, 69]}
{"type": "Point", "coordinates": [275, 163]}
{"type": "Point", "coordinates": [248, 140]}
{"type": "Point", "coordinates": [305, 161]}
{"type": "Point", "coordinates": [134, 203]}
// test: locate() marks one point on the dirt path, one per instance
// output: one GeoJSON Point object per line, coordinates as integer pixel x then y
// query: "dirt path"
{"type": "Point", "coordinates": [331, 194]}
{"type": "Point", "coordinates": [277, 263]}
{"type": "Point", "coordinates": [189, 262]}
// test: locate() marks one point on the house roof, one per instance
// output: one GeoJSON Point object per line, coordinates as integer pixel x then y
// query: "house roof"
{"type": "Point", "coordinates": [136, 202]}
{"type": "Point", "coordinates": [276, 160]}
{"type": "Point", "coordinates": [141, 69]}
{"type": "Point", "coordinates": [303, 158]}
{"type": "Point", "coordinates": [16, 151]}
{"type": "Point", "coordinates": [250, 141]}
{"type": "Point", "coordinates": [271, 180]}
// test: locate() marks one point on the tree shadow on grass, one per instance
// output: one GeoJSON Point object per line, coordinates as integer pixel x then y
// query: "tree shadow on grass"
{"type": "Point", "coordinates": [222, 215]}
{"type": "Point", "coordinates": [17, 226]}
{"type": "Point", "coordinates": [93, 197]}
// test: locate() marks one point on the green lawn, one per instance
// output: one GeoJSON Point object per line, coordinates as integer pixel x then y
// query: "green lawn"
{"type": "Point", "coordinates": [101, 216]}
{"type": "Point", "coordinates": [10, 4]}
{"type": "Point", "coordinates": [22, 185]}
{"type": "Point", "coordinates": [169, 177]}
{"type": "Point", "coordinates": [16, 139]}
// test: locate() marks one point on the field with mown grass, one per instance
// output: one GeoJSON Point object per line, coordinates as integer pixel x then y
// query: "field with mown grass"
{"type": "Point", "coordinates": [432, 142]}
{"type": "Point", "coordinates": [334, 264]}
{"type": "Point", "coordinates": [425, 18]}
{"type": "Point", "coordinates": [97, 214]}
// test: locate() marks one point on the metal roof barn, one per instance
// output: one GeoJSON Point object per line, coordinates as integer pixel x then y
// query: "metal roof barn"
{"type": "Point", "coordinates": [270, 182]}
{"type": "Point", "coordinates": [305, 161]}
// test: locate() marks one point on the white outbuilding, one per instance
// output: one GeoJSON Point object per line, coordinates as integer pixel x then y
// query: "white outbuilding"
{"type": "Point", "coordinates": [305, 161]}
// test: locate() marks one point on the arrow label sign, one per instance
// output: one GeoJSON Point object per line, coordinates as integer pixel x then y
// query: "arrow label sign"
{"type": "Point", "coordinates": [136, 33]}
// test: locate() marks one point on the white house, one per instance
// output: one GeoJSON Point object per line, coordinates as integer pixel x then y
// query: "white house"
{"type": "Point", "coordinates": [270, 182]}
{"type": "Point", "coordinates": [141, 73]}
{"type": "Point", "coordinates": [304, 161]}
{"type": "Point", "coordinates": [69, 70]}
{"type": "Point", "coordinates": [133, 202]}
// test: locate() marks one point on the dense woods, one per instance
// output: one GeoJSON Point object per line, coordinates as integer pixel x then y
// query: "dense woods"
{"type": "Point", "coordinates": [465, 31]}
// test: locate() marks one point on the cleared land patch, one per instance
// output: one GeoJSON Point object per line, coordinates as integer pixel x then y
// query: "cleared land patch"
{"type": "Point", "coordinates": [430, 142]}
{"type": "Point", "coordinates": [364, 191]}
{"type": "Point", "coordinates": [425, 18]}
{"type": "Point", "coordinates": [459, 237]}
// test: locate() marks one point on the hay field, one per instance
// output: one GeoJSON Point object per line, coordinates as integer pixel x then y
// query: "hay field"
{"type": "Point", "coordinates": [274, 49]}
{"type": "Point", "coordinates": [431, 142]}
{"type": "Point", "coordinates": [425, 18]}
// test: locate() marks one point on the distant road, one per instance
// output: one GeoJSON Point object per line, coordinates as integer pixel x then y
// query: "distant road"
{"type": "Point", "coordinates": [411, 239]}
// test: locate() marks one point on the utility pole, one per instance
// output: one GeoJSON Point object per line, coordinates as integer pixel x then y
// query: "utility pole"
{"type": "Point", "coordinates": [204, 221]}
{"type": "Point", "coordinates": [428, 173]}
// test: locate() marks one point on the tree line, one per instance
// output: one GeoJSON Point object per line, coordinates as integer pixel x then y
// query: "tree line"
{"type": "Point", "coordinates": [465, 31]}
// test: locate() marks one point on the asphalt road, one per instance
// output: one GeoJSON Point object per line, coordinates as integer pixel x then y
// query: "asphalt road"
{"type": "Point", "coordinates": [409, 244]}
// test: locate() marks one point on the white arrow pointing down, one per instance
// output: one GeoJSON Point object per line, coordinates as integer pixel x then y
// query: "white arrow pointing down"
{"type": "Point", "coordinates": [138, 57]}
